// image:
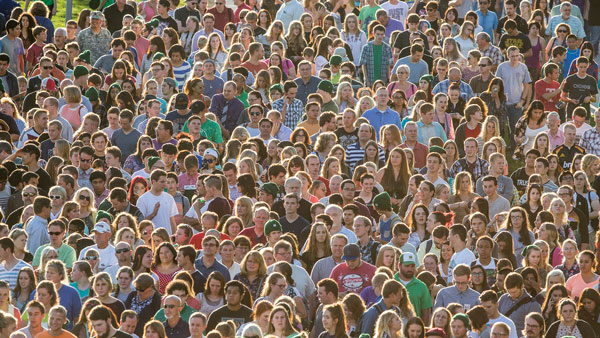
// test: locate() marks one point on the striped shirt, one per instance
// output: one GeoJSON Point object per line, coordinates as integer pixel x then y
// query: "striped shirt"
{"type": "Point", "coordinates": [355, 153]}
{"type": "Point", "coordinates": [181, 73]}
{"type": "Point", "coordinates": [11, 275]}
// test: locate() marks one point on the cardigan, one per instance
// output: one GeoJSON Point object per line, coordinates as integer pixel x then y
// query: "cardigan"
{"type": "Point", "coordinates": [585, 329]}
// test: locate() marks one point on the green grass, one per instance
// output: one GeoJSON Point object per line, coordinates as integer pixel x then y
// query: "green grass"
{"type": "Point", "coordinates": [59, 18]}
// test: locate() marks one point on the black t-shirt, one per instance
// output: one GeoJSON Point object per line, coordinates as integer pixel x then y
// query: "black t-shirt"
{"type": "Point", "coordinates": [294, 227]}
{"type": "Point", "coordinates": [178, 120]}
{"type": "Point", "coordinates": [239, 317]}
{"type": "Point", "coordinates": [345, 138]}
{"type": "Point", "coordinates": [44, 180]}
{"type": "Point", "coordinates": [12, 125]}
{"type": "Point", "coordinates": [114, 17]}
{"type": "Point", "coordinates": [520, 179]}
{"type": "Point", "coordinates": [403, 40]}
{"type": "Point", "coordinates": [121, 334]}
{"type": "Point", "coordinates": [520, 41]}
{"type": "Point", "coordinates": [165, 22]}
{"type": "Point", "coordinates": [183, 13]}
{"type": "Point", "coordinates": [578, 88]}
{"type": "Point", "coordinates": [521, 24]}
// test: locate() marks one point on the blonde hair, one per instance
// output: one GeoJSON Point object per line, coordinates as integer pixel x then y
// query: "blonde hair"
{"type": "Point", "coordinates": [72, 94]}
{"type": "Point", "coordinates": [91, 205]}
{"type": "Point", "coordinates": [382, 327]}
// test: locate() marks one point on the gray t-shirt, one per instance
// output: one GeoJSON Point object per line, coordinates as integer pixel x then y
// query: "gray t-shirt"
{"type": "Point", "coordinates": [417, 69]}
{"type": "Point", "coordinates": [514, 80]}
{"type": "Point", "coordinates": [501, 204]}
{"type": "Point", "coordinates": [126, 142]}
{"type": "Point", "coordinates": [13, 48]}
{"type": "Point", "coordinates": [505, 187]}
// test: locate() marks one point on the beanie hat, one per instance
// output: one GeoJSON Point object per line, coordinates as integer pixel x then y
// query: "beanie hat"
{"type": "Point", "coordinates": [335, 60]}
{"type": "Point", "coordinates": [437, 149]}
{"type": "Point", "coordinates": [92, 94]}
{"type": "Point", "coordinates": [86, 56]}
{"type": "Point", "coordinates": [270, 188]}
{"type": "Point", "coordinates": [272, 225]}
{"type": "Point", "coordinates": [152, 160]}
{"type": "Point", "coordinates": [277, 87]}
{"type": "Point", "coordinates": [428, 78]}
{"type": "Point", "coordinates": [114, 85]}
{"type": "Point", "coordinates": [103, 214]}
{"type": "Point", "coordinates": [326, 86]}
{"type": "Point", "coordinates": [157, 56]}
{"type": "Point", "coordinates": [464, 318]}
{"type": "Point", "coordinates": [383, 201]}
{"type": "Point", "coordinates": [80, 71]}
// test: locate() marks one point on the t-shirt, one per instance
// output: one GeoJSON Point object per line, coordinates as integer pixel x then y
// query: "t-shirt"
{"type": "Point", "coordinates": [164, 23]}
{"type": "Point", "coordinates": [222, 314]}
{"type": "Point", "coordinates": [167, 209]}
{"type": "Point", "coordinates": [367, 14]}
{"type": "Point", "coordinates": [13, 48]}
{"type": "Point", "coordinates": [465, 256]}
{"type": "Point", "coordinates": [64, 334]}
{"type": "Point", "coordinates": [577, 88]}
{"type": "Point", "coordinates": [541, 88]}
{"type": "Point", "coordinates": [398, 11]}
{"type": "Point", "coordinates": [254, 69]}
{"type": "Point", "coordinates": [345, 138]}
{"type": "Point", "coordinates": [377, 51]}
{"type": "Point", "coordinates": [212, 87]}
{"type": "Point", "coordinates": [107, 256]}
{"type": "Point", "coordinates": [520, 41]}
{"type": "Point", "coordinates": [127, 143]}
{"type": "Point", "coordinates": [520, 179]}
{"type": "Point", "coordinates": [178, 120]}
{"type": "Point", "coordinates": [353, 280]}
{"type": "Point", "coordinates": [295, 227]}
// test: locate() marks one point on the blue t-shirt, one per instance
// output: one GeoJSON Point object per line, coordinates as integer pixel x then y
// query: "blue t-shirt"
{"type": "Point", "coordinates": [571, 55]}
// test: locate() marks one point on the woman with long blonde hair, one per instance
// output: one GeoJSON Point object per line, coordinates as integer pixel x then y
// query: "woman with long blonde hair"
{"type": "Point", "coordinates": [364, 103]}
{"type": "Point", "coordinates": [390, 138]}
{"type": "Point", "coordinates": [331, 167]}
{"type": "Point", "coordinates": [387, 257]}
{"type": "Point", "coordinates": [295, 42]}
{"type": "Point", "coordinates": [463, 195]}
{"type": "Point", "coordinates": [317, 246]}
{"type": "Point", "coordinates": [87, 211]}
{"type": "Point", "coordinates": [355, 37]}
{"type": "Point", "coordinates": [590, 164]}
{"type": "Point", "coordinates": [452, 52]}
{"type": "Point", "coordinates": [215, 50]}
{"type": "Point", "coordinates": [389, 325]}
{"type": "Point", "coordinates": [344, 97]}
{"type": "Point", "coordinates": [490, 128]}
{"type": "Point", "coordinates": [243, 209]}
{"type": "Point", "coordinates": [339, 152]}
{"type": "Point", "coordinates": [274, 33]}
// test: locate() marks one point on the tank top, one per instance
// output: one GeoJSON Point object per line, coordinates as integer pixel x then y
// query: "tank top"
{"type": "Point", "coordinates": [73, 115]}
{"type": "Point", "coordinates": [164, 279]}
{"type": "Point", "coordinates": [534, 60]}
{"type": "Point", "coordinates": [148, 11]}
{"type": "Point", "coordinates": [209, 306]}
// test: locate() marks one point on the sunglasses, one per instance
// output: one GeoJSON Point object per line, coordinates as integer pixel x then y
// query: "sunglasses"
{"type": "Point", "coordinates": [562, 31]}
{"type": "Point", "coordinates": [87, 198]}
{"type": "Point", "coordinates": [91, 258]}
{"type": "Point", "coordinates": [28, 194]}
{"type": "Point", "coordinates": [55, 197]}
{"type": "Point", "coordinates": [170, 306]}
{"type": "Point", "coordinates": [51, 233]}
{"type": "Point", "coordinates": [254, 113]}
{"type": "Point", "coordinates": [209, 160]}
{"type": "Point", "coordinates": [146, 232]}
{"type": "Point", "coordinates": [85, 161]}
{"type": "Point", "coordinates": [483, 65]}
{"type": "Point", "coordinates": [47, 67]}
{"type": "Point", "coordinates": [121, 251]}
{"type": "Point", "coordinates": [141, 290]}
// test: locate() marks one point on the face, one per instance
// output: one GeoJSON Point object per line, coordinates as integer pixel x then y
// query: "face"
{"type": "Point", "coordinates": [55, 320]}
{"type": "Point", "coordinates": [458, 328]}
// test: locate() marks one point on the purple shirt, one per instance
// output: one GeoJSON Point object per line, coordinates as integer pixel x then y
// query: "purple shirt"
{"type": "Point", "coordinates": [392, 26]}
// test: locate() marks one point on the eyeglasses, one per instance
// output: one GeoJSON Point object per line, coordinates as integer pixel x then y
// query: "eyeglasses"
{"type": "Point", "coordinates": [146, 232]}
{"type": "Point", "coordinates": [87, 198]}
{"type": "Point", "coordinates": [91, 258]}
{"type": "Point", "coordinates": [461, 283]}
{"type": "Point", "coordinates": [483, 65]}
{"type": "Point", "coordinates": [254, 113]}
{"type": "Point", "coordinates": [122, 250]}
{"type": "Point", "coordinates": [141, 290]}
{"type": "Point", "coordinates": [29, 194]}
{"type": "Point", "coordinates": [55, 197]}
{"type": "Point", "coordinates": [170, 306]}
{"type": "Point", "coordinates": [52, 233]}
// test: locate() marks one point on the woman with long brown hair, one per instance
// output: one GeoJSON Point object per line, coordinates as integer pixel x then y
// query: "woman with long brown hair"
{"type": "Point", "coordinates": [317, 246]}
{"type": "Point", "coordinates": [394, 176]}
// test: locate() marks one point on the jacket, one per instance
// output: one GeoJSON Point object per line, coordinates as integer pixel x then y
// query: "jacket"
{"type": "Point", "coordinates": [585, 329]}
{"type": "Point", "coordinates": [13, 85]}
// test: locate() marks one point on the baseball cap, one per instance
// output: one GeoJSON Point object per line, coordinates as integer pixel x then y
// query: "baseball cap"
{"type": "Point", "coordinates": [211, 152]}
{"type": "Point", "coordinates": [351, 252]}
{"type": "Point", "coordinates": [435, 332]}
{"type": "Point", "coordinates": [197, 107]}
{"type": "Point", "coordinates": [408, 258]}
{"type": "Point", "coordinates": [97, 15]}
{"type": "Point", "coordinates": [181, 101]}
{"type": "Point", "coordinates": [49, 84]}
{"type": "Point", "coordinates": [270, 188]}
{"type": "Point", "coordinates": [102, 228]}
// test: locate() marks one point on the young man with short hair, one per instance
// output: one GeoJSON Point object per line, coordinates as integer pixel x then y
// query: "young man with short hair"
{"type": "Point", "coordinates": [57, 318]}
{"type": "Point", "coordinates": [157, 205]}
{"type": "Point", "coordinates": [489, 301]}
{"type": "Point", "coordinates": [101, 318]}
{"type": "Point", "coordinates": [460, 292]}
{"type": "Point", "coordinates": [233, 309]}
{"type": "Point", "coordinates": [376, 68]}
{"type": "Point", "coordinates": [516, 303]}
{"type": "Point", "coordinates": [35, 312]}
{"type": "Point", "coordinates": [10, 266]}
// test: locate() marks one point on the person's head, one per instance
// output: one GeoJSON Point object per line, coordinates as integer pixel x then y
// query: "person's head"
{"type": "Point", "coordinates": [234, 291]}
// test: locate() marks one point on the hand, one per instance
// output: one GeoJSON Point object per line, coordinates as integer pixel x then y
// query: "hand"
{"type": "Point", "coordinates": [587, 99]}
{"type": "Point", "coordinates": [156, 207]}
{"type": "Point", "coordinates": [562, 84]}
{"type": "Point", "coordinates": [519, 105]}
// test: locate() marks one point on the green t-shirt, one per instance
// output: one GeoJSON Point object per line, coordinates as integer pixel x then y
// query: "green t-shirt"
{"type": "Point", "coordinates": [244, 98]}
{"type": "Point", "coordinates": [209, 129]}
{"type": "Point", "coordinates": [366, 15]}
{"type": "Point", "coordinates": [185, 314]}
{"type": "Point", "coordinates": [65, 253]}
{"type": "Point", "coordinates": [377, 50]}
{"type": "Point", "coordinates": [417, 293]}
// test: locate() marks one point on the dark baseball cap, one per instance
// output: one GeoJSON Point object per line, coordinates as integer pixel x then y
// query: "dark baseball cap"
{"type": "Point", "coordinates": [181, 101]}
{"type": "Point", "coordinates": [197, 107]}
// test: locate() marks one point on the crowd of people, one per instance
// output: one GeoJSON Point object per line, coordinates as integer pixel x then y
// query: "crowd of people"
{"type": "Point", "coordinates": [325, 169]}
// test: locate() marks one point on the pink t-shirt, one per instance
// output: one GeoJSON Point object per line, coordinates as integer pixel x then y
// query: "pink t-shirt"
{"type": "Point", "coordinates": [353, 280]}
{"type": "Point", "coordinates": [187, 182]}
{"type": "Point", "coordinates": [575, 285]}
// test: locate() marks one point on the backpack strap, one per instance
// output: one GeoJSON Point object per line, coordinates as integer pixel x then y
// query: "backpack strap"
{"type": "Point", "coordinates": [518, 305]}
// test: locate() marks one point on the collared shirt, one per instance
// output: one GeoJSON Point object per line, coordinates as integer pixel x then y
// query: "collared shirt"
{"type": "Point", "coordinates": [293, 112]}
{"type": "Point", "coordinates": [590, 141]}
{"type": "Point", "coordinates": [573, 22]}
{"type": "Point", "coordinates": [369, 251]}
{"type": "Point", "coordinates": [493, 53]}
{"type": "Point", "coordinates": [420, 151]}
{"type": "Point", "coordinates": [98, 44]}
{"type": "Point", "coordinates": [425, 132]}
{"type": "Point", "coordinates": [418, 293]}
{"type": "Point", "coordinates": [305, 89]}
{"type": "Point", "coordinates": [37, 230]}
{"type": "Point", "coordinates": [181, 329]}
{"type": "Point", "coordinates": [480, 168]}
{"type": "Point", "coordinates": [468, 298]}
{"type": "Point", "coordinates": [65, 253]}
{"type": "Point", "coordinates": [367, 58]}
{"type": "Point", "coordinates": [288, 12]}
{"type": "Point", "coordinates": [488, 21]}
{"type": "Point", "coordinates": [506, 302]}
{"type": "Point", "coordinates": [378, 118]}
{"type": "Point", "coordinates": [99, 198]}
{"type": "Point", "coordinates": [216, 266]}
{"type": "Point", "coordinates": [83, 178]}
{"type": "Point", "coordinates": [566, 154]}
{"type": "Point", "coordinates": [556, 139]}
{"type": "Point", "coordinates": [227, 117]}
{"type": "Point", "coordinates": [466, 92]}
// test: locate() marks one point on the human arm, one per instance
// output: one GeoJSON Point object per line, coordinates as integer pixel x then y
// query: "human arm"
{"type": "Point", "coordinates": [557, 91]}
{"type": "Point", "coordinates": [528, 53]}
{"type": "Point", "coordinates": [173, 224]}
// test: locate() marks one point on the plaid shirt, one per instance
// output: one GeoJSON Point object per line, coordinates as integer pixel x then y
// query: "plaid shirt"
{"type": "Point", "coordinates": [466, 92]}
{"type": "Point", "coordinates": [293, 113]}
{"type": "Point", "coordinates": [480, 168]}
{"type": "Point", "coordinates": [493, 53]}
{"type": "Point", "coordinates": [590, 141]}
{"type": "Point", "coordinates": [367, 59]}
{"type": "Point", "coordinates": [370, 250]}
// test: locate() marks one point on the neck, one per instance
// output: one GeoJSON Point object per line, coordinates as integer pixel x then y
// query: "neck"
{"type": "Point", "coordinates": [173, 321]}
{"type": "Point", "coordinates": [56, 333]}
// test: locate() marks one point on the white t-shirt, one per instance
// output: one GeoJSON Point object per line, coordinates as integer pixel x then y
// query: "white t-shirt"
{"type": "Point", "coordinates": [167, 209]}
{"type": "Point", "coordinates": [507, 321]}
{"type": "Point", "coordinates": [108, 256]}
{"type": "Point", "coordinates": [465, 256]}
{"type": "Point", "coordinates": [142, 172]}
{"type": "Point", "coordinates": [398, 11]}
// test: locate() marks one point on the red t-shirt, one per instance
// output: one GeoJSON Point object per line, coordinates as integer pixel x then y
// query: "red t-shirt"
{"type": "Point", "coordinates": [542, 87]}
{"type": "Point", "coordinates": [255, 68]}
{"type": "Point", "coordinates": [472, 132]}
{"type": "Point", "coordinates": [254, 239]}
{"type": "Point", "coordinates": [222, 19]}
{"type": "Point", "coordinates": [196, 240]}
{"type": "Point", "coordinates": [353, 280]}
